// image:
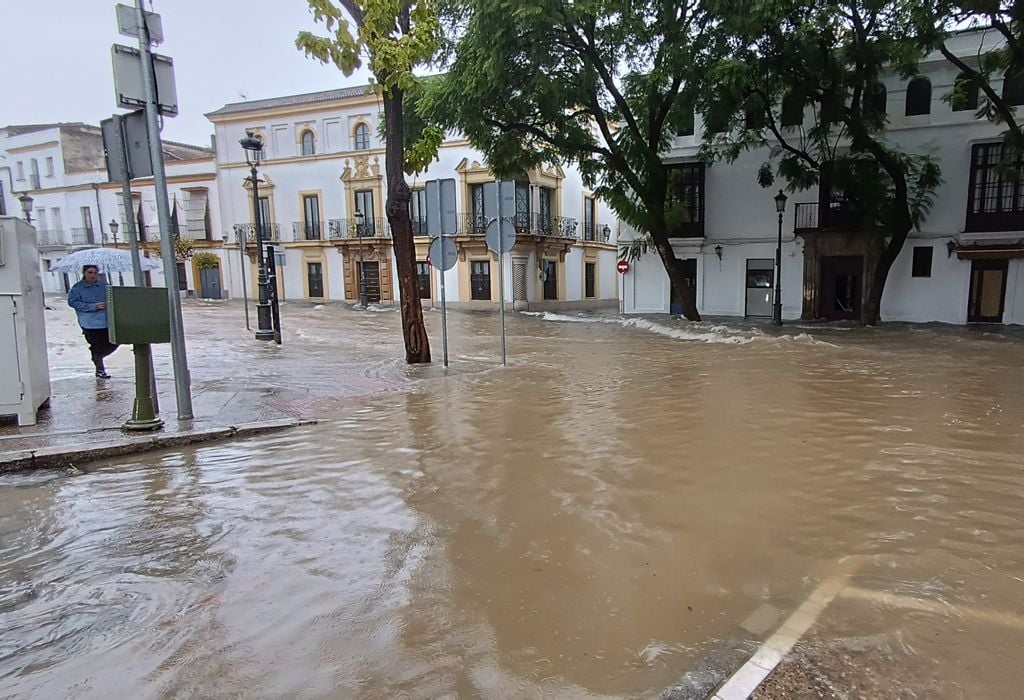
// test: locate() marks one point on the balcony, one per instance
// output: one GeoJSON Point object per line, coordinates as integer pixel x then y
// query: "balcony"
{"type": "Point", "coordinates": [83, 236]}
{"type": "Point", "coordinates": [340, 229]}
{"type": "Point", "coordinates": [50, 239]}
{"type": "Point", "coordinates": [307, 231]}
{"type": "Point", "coordinates": [838, 216]}
{"type": "Point", "coordinates": [532, 224]}
{"type": "Point", "coordinates": [599, 233]}
{"type": "Point", "coordinates": [271, 232]}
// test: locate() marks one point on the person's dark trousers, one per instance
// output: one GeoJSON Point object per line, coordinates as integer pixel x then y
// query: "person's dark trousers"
{"type": "Point", "coordinates": [99, 345]}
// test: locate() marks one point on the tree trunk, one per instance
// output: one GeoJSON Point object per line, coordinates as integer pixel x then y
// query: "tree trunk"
{"type": "Point", "coordinates": [417, 344]}
{"type": "Point", "coordinates": [871, 314]}
{"type": "Point", "coordinates": [675, 276]}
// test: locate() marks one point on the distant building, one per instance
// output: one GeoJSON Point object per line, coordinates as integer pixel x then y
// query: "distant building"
{"type": "Point", "coordinates": [966, 264]}
{"type": "Point", "coordinates": [323, 162]}
{"type": "Point", "coordinates": [61, 166]}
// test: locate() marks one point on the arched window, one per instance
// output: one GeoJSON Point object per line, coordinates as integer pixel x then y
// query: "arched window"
{"type": "Point", "coordinates": [792, 110]}
{"type": "Point", "coordinates": [362, 137]}
{"type": "Point", "coordinates": [308, 143]}
{"type": "Point", "coordinates": [919, 96]}
{"type": "Point", "coordinates": [875, 98]}
{"type": "Point", "coordinates": [753, 115]}
{"type": "Point", "coordinates": [1013, 87]}
{"type": "Point", "coordinates": [965, 94]}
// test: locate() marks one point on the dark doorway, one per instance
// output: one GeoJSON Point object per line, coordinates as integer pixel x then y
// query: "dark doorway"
{"type": "Point", "coordinates": [209, 283]}
{"type": "Point", "coordinates": [423, 279]}
{"type": "Point", "coordinates": [182, 278]}
{"type": "Point", "coordinates": [988, 291]}
{"type": "Point", "coordinates": [315, 279]}
{"type": "Point", "coordinates": [841, 285]}
{"type": "Point", "coordinates": [480, 280]}
{"type": "Point", "coordinates": [550, 278]}
{"type": "Point", "coordinates": [689, 269]}
{"type": "Point", "coordinates": [372, 272]}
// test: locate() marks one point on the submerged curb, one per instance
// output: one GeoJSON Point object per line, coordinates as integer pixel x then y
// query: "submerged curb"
{"type": "Point", "coordinates": [74, 455]}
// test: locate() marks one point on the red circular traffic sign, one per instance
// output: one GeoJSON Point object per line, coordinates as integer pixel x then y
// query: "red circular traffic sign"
{"type": "Point", "coordinates": [622, 267]}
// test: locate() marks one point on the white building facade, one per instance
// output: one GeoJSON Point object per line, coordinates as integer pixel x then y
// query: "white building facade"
{"type": "Point", "coordinates": [323, 162]}
{"type": "Point", "coordinates": [61, 167]}
{"type": "Point", "coordinates": [965, 264]}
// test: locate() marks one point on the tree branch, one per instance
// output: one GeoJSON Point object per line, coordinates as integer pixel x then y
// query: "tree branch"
{"type": "Point", "coordinates": [354, 11]}
{"type": "Point", "coordinates": [997, 100]}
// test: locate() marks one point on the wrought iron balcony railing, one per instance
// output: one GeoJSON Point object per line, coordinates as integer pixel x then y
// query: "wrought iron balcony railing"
{"type": "Point", "coordinates": [307, 231]}
{"type": "Point", "coordinates": [271, 232]}
{"type": "Point", "coordinates": [593, 231]}
{"type": "Point", "coordinates": [355, 228]}
{"type": "Point", "coordinates": [50, 239]}
{"type": "Point", "coordinates": [530, 224]}
{"type": "Point", "coordinates": [83, 236]}
{"type": "Point", "coordinates": [838, 216]}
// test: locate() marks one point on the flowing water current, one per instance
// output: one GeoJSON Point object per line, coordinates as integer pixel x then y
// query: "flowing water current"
{"type": "Point", "coordinates": [596, 520]}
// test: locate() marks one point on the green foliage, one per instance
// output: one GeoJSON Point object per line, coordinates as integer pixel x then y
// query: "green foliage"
{"type": "Point", "coordinates": [206, 261]}
{"type": "Point", "coordinates": [398, 36]}
{"type": "Point", "coordinates": [604, 85]}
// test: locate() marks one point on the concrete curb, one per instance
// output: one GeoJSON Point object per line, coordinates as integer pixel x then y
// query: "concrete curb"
{"type": "Point", "coordinates": [74, 455]}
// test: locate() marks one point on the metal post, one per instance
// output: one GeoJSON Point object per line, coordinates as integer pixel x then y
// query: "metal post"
{"type": "Point", "coordinates": [362, 267]}
{"type": "Point", "coordinates": [501, 278]}
{"type": "Point", "coordinates": [182, 381]}
{"type": "Point", "coordinates": [777, 308]}
{"type": "Point", "coordinates": [242, 260]}
{"type": "Point", "coordinates": [129, 208]}
{"type": "Point", "coordinates": [444, 309]}
{"type": "Point", "coordinates": [264, 323]}
{"type": "Point", "coordinates": [144, 411]}
{"type": "Point", "coordinates": [275, 309]}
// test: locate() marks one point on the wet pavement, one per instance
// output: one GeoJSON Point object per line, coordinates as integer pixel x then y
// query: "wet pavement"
{"type": "Point", "coordinates": [605, 515]}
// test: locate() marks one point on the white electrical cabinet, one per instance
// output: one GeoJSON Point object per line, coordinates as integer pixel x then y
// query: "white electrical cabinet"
{"type": "Point", "coordinates": [24, 369]}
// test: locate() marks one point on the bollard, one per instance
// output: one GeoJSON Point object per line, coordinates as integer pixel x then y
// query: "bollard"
{"type": "Point", "coordinates": [144, 416]}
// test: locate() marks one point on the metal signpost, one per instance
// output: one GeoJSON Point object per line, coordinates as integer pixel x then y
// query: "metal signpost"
{"type": "Point", "coordinates": [142, 79]}
{"type": "Point", "coordinates": [501, 236]}
{"type": "Point", "coordinates": [441, 223]}
{"type": "Point", "coordinates": [242, 261]}
{"type": "Point", "coordinates": [623, 267]}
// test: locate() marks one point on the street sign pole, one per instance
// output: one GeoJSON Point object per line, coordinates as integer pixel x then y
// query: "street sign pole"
{"type": "Point", "coordinates": [182, 381]}
{"type": "Point", "coordinates": [501, 277]}
{"type": "Point", "coordinates": [444, 302]}
{"type": "Point", "coordinates": [241, 260]}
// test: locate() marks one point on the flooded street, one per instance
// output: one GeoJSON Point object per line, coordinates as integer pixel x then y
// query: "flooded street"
{"type": "Point", "coordinates": [595, 520]}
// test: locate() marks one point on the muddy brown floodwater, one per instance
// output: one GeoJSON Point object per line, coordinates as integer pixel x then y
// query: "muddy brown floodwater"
{"type": "Point", "coordinates": [593, 521]}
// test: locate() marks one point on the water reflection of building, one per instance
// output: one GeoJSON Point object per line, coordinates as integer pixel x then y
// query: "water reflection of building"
{"type": "Point", "coordinates": [323, 204]}
{"type": "Point", "coordinates": [959, 267]}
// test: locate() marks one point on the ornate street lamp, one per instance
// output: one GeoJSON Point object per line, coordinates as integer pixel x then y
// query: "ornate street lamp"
{"type": "Point", "coordinates": [114, 228]}
{"type": "Point", "coordinates": [26, 206]}
{"type": "Point", "coordinates": [360, 219]}
{"type": "Point", "coordinates": [780, 207]}
{"type": "Point", "coordinates": [253, 147]}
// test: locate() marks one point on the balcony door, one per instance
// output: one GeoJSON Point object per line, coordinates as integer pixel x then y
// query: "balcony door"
{"type": "Point", "coordinates": [364, 206]}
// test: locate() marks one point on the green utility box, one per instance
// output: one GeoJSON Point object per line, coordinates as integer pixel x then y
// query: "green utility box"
{"type": "Point", "coordinates": [138, 315]}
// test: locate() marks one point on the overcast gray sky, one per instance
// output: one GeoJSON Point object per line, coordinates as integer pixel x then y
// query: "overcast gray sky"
{"type": "Point", "coordinates": [56, 58]}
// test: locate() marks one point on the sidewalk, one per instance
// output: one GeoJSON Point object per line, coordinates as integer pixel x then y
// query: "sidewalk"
{"type": "Point", "coordinates": [237, 382]}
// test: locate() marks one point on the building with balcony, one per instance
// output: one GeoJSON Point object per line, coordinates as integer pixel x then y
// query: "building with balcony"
{"type": "Point", "coordinates": [61, 166]}
{"type": "Point", "coordinates": [322, 194]}
{"type": "Point", "coordinates": [964, 264]}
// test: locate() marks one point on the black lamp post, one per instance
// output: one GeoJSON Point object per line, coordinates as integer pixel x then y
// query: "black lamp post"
{"type": "Point", "coordinates": [360, 219]}
{"type": "Point", "coordinates": [26, 206]}
{"type": "Point", "coordinates": [780, 207]}
{"type": "Point", "coordinates": [114, 228]}
{"type": "Point", "coordinates": [253, 147]}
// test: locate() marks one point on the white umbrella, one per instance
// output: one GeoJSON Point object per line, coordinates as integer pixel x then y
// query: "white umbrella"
{"type": "Point", "coordinates": [108, 260]}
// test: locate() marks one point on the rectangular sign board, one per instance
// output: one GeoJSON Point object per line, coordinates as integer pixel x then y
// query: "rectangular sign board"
{"type": "Point", "coordinates": [126, 132]}
{"type": "Point", "coordinates": [128, 24]}
{"type": "Point", "coordinates": [128, 86]}
{"type": "Point", "coordinates": [138, 315]}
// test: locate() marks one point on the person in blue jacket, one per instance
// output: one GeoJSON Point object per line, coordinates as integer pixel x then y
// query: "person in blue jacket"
{"type": "Point", "coordinates": [89, 300]}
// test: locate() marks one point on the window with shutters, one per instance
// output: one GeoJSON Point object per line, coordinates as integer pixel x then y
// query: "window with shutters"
{"type": "Point", "coordinates": [965, 94]}
{"type": "Point", "coordinates": [423, 279]}
{"type": "Point", "coordinates": [418, 211]}
{"type": "Point", "coordinates": [996, 194]}
{"type": "Point", "coordinates": [197, 214]}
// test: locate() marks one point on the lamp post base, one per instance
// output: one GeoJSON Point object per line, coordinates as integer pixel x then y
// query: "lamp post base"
{"type": "Point", "coordinates": [777, 316]}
